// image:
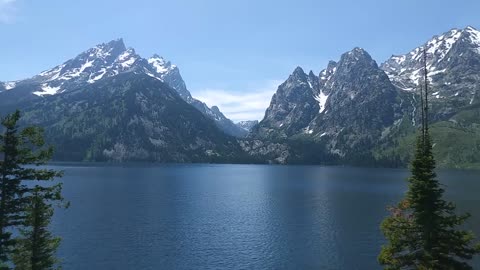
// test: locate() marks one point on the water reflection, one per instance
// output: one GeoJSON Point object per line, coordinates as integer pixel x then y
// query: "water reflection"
{"type": "Point", "coordinates": [233, 216]}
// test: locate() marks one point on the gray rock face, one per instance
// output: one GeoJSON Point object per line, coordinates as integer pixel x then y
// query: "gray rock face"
{"type": "Point", "coordinates": [104, 61]}
{"type": "Point", "coordinates": [359, 105]}
{"type": "Point", "coordinates": [292, 108]}
{"type": "Point", "coordinates": [269, 152]}
{"type": "Point", "coordinates": [358, 109]}
{"type": "Point", "coordinates": [348, 104]}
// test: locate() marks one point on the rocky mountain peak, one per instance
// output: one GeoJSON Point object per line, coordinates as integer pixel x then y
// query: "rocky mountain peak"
{"type": "Point", "coordinates": [356, 57]}
{"type": "Point", "coordinates": [215, 109]}
{"type": "Point", "coordinates": [352, 95]}
{"type": "Point", "coordinates": [156, 56]}
{"type": "Point", "coordinates": [473, 32]}
{"type": "Point", "coordinates": [471, 37]}
{"type": "Point", "coordinates": [443, 52]}
{"type": "Point", "coordinates": [331, 64]}
{"type": "Point", "coordinates": [114, 44]}
{"type": "Point", "coordinates": [298, 73]}
{"type": "Point", "coordinates": [107, 52]}
{"type": "Point", "coordinates": [102, 60]}
{"type": "Point", "coordinates": [297, 83]}
{"type": "Point", "coordinates": [326, 74]}
{"type": "Point", "coordinates": [313, 81]}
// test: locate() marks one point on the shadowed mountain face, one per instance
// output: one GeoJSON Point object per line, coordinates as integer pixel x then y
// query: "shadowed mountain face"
{"type": "Point", "coordinates": [129, 117]}
{"type": "Point", "coordinates": [362, 112]}
{"type": "Point", "coordinates": [348, 104]}
{"type": "Point", "coordinates": [101, 62]}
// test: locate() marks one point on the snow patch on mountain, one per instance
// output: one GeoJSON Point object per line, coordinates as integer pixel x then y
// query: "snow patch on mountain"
{"type": "Point", "coordinates": [47, 90]}
{"type": "Point", "coordinates": [160, 65]}
{"type": "Point", "coordinates": [322, 100]}
{"type": "Point", "coordinates": [52, 73]}
{"type": "Point", "coordinates": [95, 78]}
{"type": "Point", "coordinates": [9, 85]}
{"type": "Point", "coordinates": [127, 58]}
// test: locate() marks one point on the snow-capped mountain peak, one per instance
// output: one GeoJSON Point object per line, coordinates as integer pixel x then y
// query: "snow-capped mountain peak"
{"type": "Point", "coordinates": [474, 36]}
{"type": "Point", "coordinates": [103, 60]}
{"type": "Point", "coordinates": [106, 50]}
{"type": "Point", "coordinates": [405, 70]}
{"type": "Point", "coordinates": [108, 60]}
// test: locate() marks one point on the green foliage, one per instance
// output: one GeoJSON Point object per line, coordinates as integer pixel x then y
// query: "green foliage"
{"type": "Point", "coordinates": [457, 142]}
{"type": "Point", "coordinates": [36, 247]}
{"type": "Point", "coordinates": [23, 150]}
{"type": "Point", "coordinates": [130, 117]}
{"type": "Point", "coordinates": [307, 151]}
{"type": "Point", "coordinates": [422, 230]}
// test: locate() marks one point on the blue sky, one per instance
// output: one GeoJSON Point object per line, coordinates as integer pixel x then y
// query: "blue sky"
{"type": "Point", "coordinates": [230, 53]}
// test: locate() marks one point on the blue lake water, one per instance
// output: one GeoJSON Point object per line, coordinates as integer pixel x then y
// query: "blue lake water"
{"type": "Point", "coordinates": [234, 216]}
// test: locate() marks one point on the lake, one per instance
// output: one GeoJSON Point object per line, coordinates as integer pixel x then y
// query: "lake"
{"type": "Point", "coordinates": [234, 216]}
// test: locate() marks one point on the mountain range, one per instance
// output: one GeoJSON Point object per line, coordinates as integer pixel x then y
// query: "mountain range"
{"type": "Point", "coordinates": [362, 112]}
{"type": "Point", "coordinates": [110, 104]}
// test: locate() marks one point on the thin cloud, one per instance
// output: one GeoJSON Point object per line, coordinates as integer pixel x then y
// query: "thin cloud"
{"type": "Point", "coordinates": [7, 11]}
{"type": "Point", "coordinates": [240, 105]}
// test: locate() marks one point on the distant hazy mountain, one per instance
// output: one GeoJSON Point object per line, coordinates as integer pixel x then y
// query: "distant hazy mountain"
{"type": "Point", "coordinates": [247, 125]}
{"type": "Point", "coordinates": [364, 113]}
{"type": "Point", "coordinates": [101, 62]}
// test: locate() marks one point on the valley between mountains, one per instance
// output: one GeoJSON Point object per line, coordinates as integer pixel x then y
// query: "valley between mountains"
{"type": "Point", "coordinates": [110, 104]}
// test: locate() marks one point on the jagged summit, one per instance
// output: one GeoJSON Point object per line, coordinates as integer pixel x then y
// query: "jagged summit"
{"type": "Point", "coordinates": [298, 71]}
{"type": "Point", "coordinates": [107, 60]}
{"type": "Point", "coordinates": [102, 61]}
{"type": "Point", "coordinates": [442, 51]}
{"type": "Point", "coordinates": [116, 43]}
{"type": "Point", "coordinates": [342, 95]}
{"type": "Point", "coordinates": [355, 56]}
{"type": "Point", "coordinates": [357, 50]}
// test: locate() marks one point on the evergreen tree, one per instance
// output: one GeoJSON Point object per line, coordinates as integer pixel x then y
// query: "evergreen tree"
{"type": "Point", "coordinates": [21, 148]}
{"type": "Point", "coordinates": [37, 246]}
{"type": "Point", "coordinates": [422, 231]}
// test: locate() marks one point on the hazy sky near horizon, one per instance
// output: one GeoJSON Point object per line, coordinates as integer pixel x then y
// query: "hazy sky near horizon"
{"type": "Point", "coordinates": [231, 53]}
